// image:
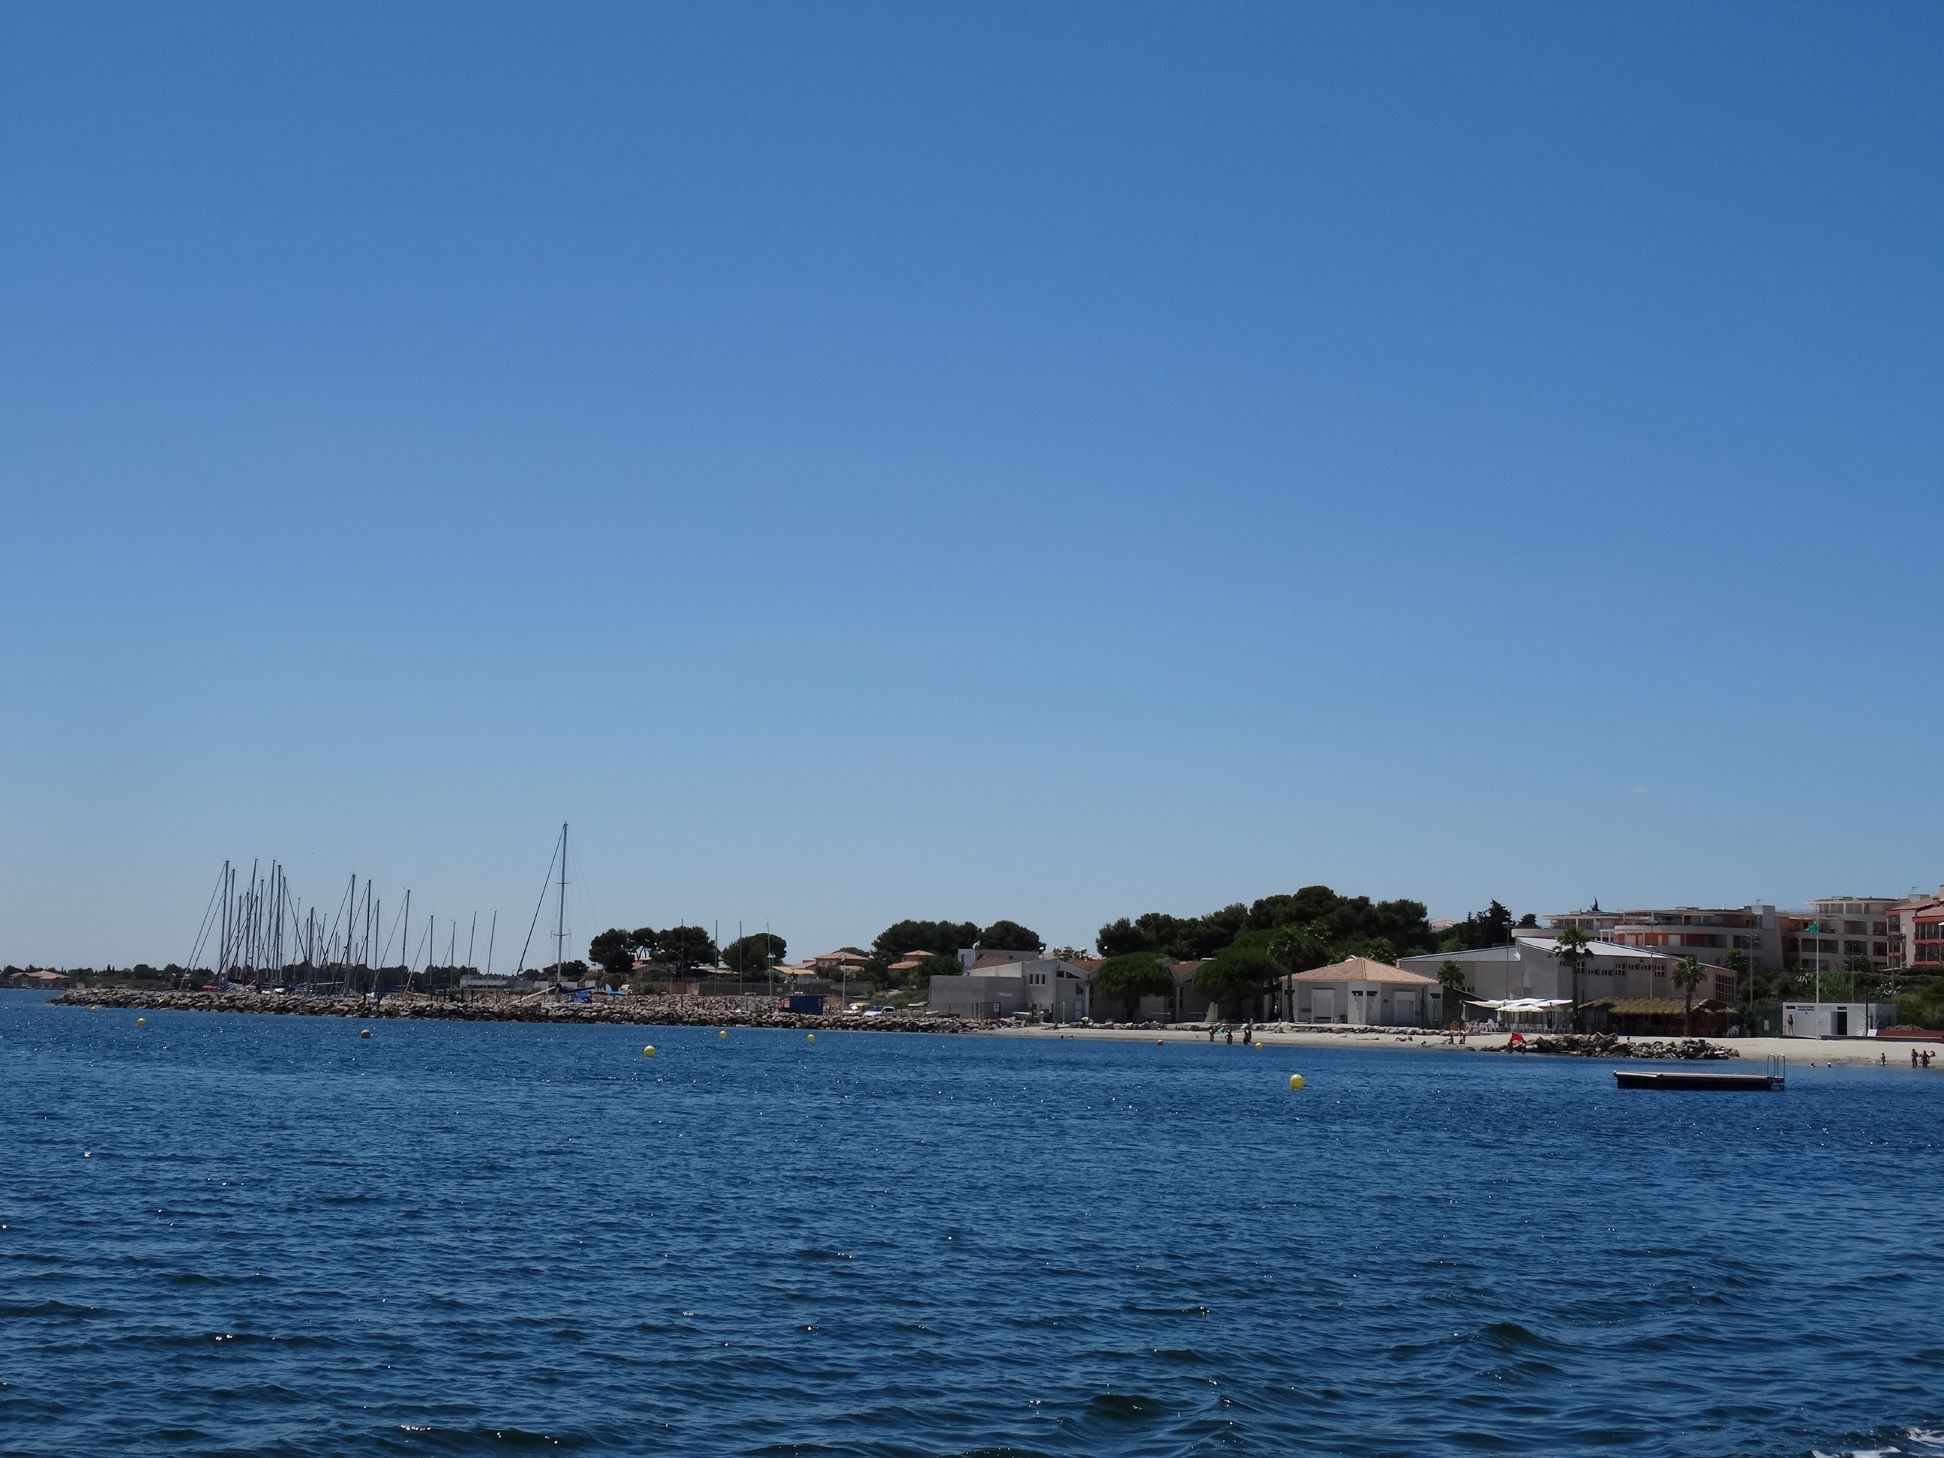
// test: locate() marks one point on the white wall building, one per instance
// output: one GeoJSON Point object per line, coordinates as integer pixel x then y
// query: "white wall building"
{"type": "Point", "coordinates": [1836, 1019]}
{"type": "Point", "coordinates": [1528, 967]}
{"type": "Point", "coordinates": [1058, 991]}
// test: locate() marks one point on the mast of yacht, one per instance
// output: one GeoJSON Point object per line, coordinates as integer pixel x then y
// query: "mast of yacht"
{"type": "Point", "coordinates": [222, 946]}
{"type": "Point", "coordinates": [560, 924]}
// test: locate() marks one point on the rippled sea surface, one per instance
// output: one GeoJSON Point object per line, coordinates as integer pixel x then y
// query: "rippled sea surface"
{"type": "Point", "coordinates": [235, 1235]}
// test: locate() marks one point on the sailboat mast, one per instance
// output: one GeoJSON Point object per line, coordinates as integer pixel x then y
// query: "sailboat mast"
{"type": "Point", "coordinates": [249, 940]}
{"type": "Point", "coordinates": [222, 947]}
{"type": "Point", "coordinates": [560, 925]}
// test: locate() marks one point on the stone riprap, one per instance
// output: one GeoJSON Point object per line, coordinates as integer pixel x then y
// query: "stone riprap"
{"type": "Point", "coordinates": [1610, 1045]}
{"type": "Point", "coordinates": [668, 1011]}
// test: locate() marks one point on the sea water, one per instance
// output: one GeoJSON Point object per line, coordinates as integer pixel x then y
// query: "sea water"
{"type": "Point", "coordinates": [225, 1234]}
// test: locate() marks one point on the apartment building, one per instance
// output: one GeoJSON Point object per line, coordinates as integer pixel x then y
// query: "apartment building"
{"type": "Point", "coordinates": [1837, 928]}
{"type": "Point", "coordinates": [1919, 934]}
{"type": "Point", "coordinates": [1704, 933]}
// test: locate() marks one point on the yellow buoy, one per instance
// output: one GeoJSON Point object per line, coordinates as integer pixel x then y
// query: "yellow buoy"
{"type": "Point", "coordinates": [649, 1051]}
{"type": "Point", "coordinates": [1295, 1081]}
{"type": "Point", "coordinates": [141, 1022]}
{"type": "Point", "coordinates": [364, 1032]}
{"type": "Point", "coordinates": [809, 1037]}
{"type": "Point", "coordinates": [94, 1008]}
{"type": "Point", "coordinates": [722, 1032]}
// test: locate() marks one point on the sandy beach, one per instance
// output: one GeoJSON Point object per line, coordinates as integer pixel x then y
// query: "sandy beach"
{"type": "Point", "coordinates": [1801, 1052]}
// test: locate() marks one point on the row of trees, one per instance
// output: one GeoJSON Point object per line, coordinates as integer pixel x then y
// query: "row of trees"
{"type": "Point", "coordinates": [939, 943]}
{"type": "Point", "coordinates": [678, 948]}
{"type": "Point", "coordinates": [1356, 924]}
{"type": "Point", "coordinates": [1244, 948]}
{"type": "Point", "coordinates": [1492, 927]}
{"type": "Point", "coordinates": [682, 950]}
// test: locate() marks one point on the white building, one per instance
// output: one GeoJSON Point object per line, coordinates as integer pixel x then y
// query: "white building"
{"type": "Point", "coordinates": [1529, 966]}
{"type": "Point", "coordinates": [991, 987]}
{"type": "Point", "coordinates": [1836, 1019]}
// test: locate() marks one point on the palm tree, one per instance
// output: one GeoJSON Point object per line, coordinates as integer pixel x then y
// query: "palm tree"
{"type": "Point", "coordinates": [1862, 972]}
{"type": "Point", "coordinates": [1451, 981]}
{"type": "Point", "coordinates": [1571, 947]}
{"type": "Point", "coordinates": [1737, 962]}
{"type": "Point", "coordinates": [1687, 976]}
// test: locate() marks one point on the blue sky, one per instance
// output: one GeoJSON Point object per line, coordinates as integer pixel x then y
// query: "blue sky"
{"type": "Point", "coordinates": [866, 461]}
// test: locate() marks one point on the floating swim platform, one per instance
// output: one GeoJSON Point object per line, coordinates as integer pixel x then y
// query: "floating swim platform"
{"type": "Point", "coordinates": [1710, 1082]}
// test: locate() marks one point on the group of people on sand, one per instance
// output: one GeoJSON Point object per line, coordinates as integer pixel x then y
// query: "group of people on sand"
{"type": "Point", "coordinates": [1248, 1033]}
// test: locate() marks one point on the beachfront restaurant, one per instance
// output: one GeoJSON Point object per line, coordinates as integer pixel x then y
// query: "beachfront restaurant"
{"type": "Point", "coordinates": [1665, 1017]}
{"type": "Point", "coordinates": [1362, 993]}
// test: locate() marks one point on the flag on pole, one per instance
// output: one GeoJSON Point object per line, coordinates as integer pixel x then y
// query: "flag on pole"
{"type": "Point", "coordinates": [1814, 929]}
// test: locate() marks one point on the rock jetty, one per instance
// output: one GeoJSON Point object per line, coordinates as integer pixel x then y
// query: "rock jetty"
{"type": "Point", "coordinates": [1610, 1045]}
{"type": "Point", "coordinates": [672, 1011]}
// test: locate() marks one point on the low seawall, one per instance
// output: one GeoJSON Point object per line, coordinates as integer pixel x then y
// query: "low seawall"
{"type": "Point", "coordinates": [681, 1012]}
{"type": "Point", "coordinates": [1607, 1045]}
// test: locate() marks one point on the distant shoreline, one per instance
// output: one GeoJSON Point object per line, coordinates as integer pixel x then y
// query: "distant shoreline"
{"type": "Point", "coordinates": [1801, 1052]}
{"type": "Point", "coordinates": [658, 1012]}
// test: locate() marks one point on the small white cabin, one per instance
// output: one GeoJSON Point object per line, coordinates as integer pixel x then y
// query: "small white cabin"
{"type": "Point", "coordinates": [1836, 1019]}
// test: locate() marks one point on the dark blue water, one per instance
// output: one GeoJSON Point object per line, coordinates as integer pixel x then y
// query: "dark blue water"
{"type": "Point", "coordinates": [232, 1235]}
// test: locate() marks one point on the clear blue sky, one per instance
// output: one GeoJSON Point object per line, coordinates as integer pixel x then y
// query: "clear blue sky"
{"type": "Point", "coordinates": [1051, 461]}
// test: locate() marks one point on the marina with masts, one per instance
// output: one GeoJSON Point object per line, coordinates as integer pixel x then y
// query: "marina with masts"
{"type": "Point", "coordinates": [257, 931]}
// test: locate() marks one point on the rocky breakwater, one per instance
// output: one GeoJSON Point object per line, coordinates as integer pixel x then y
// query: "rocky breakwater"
{"type": "Point", "coordinates": [1609, 1045]}
{"type": "Point", "coordinates": [712, 1012]}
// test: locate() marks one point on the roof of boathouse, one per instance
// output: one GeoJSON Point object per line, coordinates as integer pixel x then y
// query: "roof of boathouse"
{"type": "Point", "coordinates": [1363, 969]}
